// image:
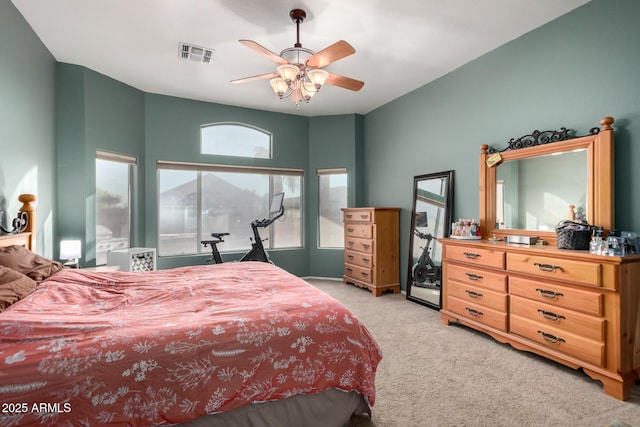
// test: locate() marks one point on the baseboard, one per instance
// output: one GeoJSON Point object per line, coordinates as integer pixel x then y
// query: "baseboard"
{"type": "Point", "coordinates": [335, 279]}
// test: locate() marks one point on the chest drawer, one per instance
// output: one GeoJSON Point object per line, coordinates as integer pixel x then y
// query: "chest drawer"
{"type": "Point", "coordinates": [477, 277]}
{"type": "Point", "coordinates": [360, 215]}
{"type": "Point", "coordinates": [358, 258]}
{"type": "Point", "coordinates": [357, 244]}
{"type": "Point", "coordinates": [359, 273]}
{"type": "Point", "coordinates": [488, 316]}
{"type": "Point", "coordinates": [581, 348]}
{"type": "Point", "coordinates": [476, 295]}
{"type": "Point", "coordinates": [556, 268]}
{"type": "Point", "coordinates": [364, 231]}
{"type": "Point", "coordinates": [477, 256]}
{"type": "Point", "coordinates": [558, 295]}
{"type": "Point", "coordinates": [591, 327]}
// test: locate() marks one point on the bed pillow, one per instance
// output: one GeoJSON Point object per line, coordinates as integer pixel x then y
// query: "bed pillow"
{"type": "Point", "coordinates": [13, 287]}
{"type": "Point", "coordinates": [29, 263]}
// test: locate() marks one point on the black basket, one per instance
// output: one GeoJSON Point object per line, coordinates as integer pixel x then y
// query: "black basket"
{"type": "Point", "coordinates": [573, 235]}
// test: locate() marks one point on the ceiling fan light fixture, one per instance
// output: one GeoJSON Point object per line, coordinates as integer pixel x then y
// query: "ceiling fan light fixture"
{"type": "Point", "coordinates": [279, 86]}
{"type": "Point", "coordinates": [299, 74]}
{"type": "Point", "coordinates": [317, 77]}
{"type": "Point", "coordinates": [308, 90]}
{"type": "Point", "coordinates": [288, 72]}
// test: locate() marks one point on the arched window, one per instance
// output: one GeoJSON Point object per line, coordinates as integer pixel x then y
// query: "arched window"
{"type": "Point", "coordinates": [235, 139]}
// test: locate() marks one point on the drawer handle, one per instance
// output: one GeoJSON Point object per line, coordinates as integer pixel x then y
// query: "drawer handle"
{"type": "Point", "coordinates": [549, 294]}
{"type": "Point", "coordinates": [472, 276]}
{"type": "Point", "coordinates": [350, 230]}
{"type": "Point", "coordinates": [547, 268]}
{"type": "Point", "coordinates": [366, 246]}
{"type": "Point", "coordinates": [551, 338]}
{"type": "Point", "coordinates": [471, 255]}
{"type": "Point", "coordinates": [350, 256]}
{"type": "Point", "coordinates": [364, 216]}
{"type": "Point", "coordinates": [551, 316]}
{"type": "Point", "coordinates": [349, 215]}
{"type": "Point", "coordinates": [366, 260]}
{"type": "Point", "coordinates": [473, 294]}
{"type": "Point", "coordinates": [349, 270]}
{"type": "Point", "coordinates": [473, 312]}
{"type": "Point", "coordinates": [350, 243]}
{"type": "Point", "coordinates": [364, 274]}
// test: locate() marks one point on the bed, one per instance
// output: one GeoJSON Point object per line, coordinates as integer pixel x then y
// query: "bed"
{"type": "Point", "coordinates": [235, 344]}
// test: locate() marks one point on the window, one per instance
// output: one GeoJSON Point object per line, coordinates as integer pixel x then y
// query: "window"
{"type": "Point", "coordinates": [332, 193]}
{"type": "Point", "coordinates": [196, 200]}
{"type": "Point", "coordinates": [235, 139]}
{"type": "Point", "coordinates": [113, 193]}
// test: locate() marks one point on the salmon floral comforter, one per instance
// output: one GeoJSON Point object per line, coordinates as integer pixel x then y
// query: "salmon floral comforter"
{"type": "Point", "coordinates": [169, 346]}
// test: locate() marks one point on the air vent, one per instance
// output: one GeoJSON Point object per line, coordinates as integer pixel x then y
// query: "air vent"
{"type": "Point", "coordinates": [190, 52]}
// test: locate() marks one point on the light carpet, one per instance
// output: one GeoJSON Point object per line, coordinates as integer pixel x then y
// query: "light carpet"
{"type": "Point", "coordinates": [437, 375]}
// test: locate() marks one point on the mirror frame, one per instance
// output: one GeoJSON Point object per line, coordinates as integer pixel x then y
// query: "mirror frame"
{"type": "Point", "coordinates": [600, 185]}
{"type": "Point", "coordinates": [445, 232]}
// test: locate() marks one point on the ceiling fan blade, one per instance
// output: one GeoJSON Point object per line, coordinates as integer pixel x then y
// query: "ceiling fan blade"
{"type": "Point", "coordinates": [330, 54]}
{"type": "Point", "coordinates": [254, 78]}
{"type": "Point", "coordinates": [344, 82]}
{"type": "Point", "coordinates": [264, 51]}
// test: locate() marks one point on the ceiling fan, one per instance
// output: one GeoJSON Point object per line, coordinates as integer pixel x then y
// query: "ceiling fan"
{"type": "Point", "coordinates": [299, 74]}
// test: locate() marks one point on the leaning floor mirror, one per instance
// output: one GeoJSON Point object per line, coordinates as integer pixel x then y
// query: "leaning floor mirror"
{"type": "Point", "coordinates": [430, 220]}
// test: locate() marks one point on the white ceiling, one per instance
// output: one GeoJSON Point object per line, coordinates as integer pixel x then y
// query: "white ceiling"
{"type": "Point", "coordinates": [400, 45]}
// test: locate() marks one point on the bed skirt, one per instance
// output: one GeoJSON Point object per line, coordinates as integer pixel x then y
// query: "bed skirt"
{"type": "Point", "coordinates": [331, 408]}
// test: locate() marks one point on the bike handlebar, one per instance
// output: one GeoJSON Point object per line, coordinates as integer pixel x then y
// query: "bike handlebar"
{"type": "Point", "coordinates": [262, 223]}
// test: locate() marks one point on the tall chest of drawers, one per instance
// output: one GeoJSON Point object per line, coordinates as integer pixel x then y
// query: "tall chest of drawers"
{"type": "Point", "coordinates": [371, 248]}
{"type": "Point", "coordinates": [578, 309]}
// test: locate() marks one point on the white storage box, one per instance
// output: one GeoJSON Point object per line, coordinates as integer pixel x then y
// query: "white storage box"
{"type": "Point", "coordinates": [133, 259]}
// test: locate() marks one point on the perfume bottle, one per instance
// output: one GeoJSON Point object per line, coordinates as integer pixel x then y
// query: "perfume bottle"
{"type": "Point", "coordinates": [597, 245]}
{"type": "Point", "coordinates": [615, 243]}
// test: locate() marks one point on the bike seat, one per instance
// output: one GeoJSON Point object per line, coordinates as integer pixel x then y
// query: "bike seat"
{"type": "Point", "coordinates": [219, 235]}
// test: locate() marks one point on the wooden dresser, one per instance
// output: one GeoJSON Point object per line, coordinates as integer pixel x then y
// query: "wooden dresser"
{"type": "Point", "coordinates": [371, 248]}
{"type": "Point", "coordinates": [578, 309]}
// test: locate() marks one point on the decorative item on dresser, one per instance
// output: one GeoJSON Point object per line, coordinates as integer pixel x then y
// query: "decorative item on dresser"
{"type": "Point", "coordinates": [576, 308]}
{"type": "Point", "coordinates": [371, 247]}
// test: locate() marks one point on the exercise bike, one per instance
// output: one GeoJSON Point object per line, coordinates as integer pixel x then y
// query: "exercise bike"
{"type": "Point", "coordinates": [425, 273]}
{"type": "Point", "coordinates": [257, 251]}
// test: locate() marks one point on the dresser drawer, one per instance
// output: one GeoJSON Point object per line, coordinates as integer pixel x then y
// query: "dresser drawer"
{"type": "Point", "coordinates": [472, 255]}
{"type": "Point", "coordinates": [476, 277]}
{"type": "Point", "coordinates": [590, 351]}
{"type": "Point", "coordinates": [364, 231]}
{"type": "Point", "coordinates": [490, 317]}
{"type": "Point", "coordinates": [558, 295]}
{"type": "Point", "coordinates": [476, 295]}
{"type": "Point", "coordinates": [358, 258]}
{"type": "Point", "coordinates": [584, 325]}
{"type": "Point", "coordinates": [556, 268]}
{"type": "Point", "coordinates": [357, 244]}
{"type": "Point", "coordinates": [359, 273]}
{"type": "Point", "coordinates": [364, 215]}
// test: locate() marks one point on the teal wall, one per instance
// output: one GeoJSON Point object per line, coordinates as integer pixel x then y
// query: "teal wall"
{"type": "Point", "coordinates": [27, 127]}
{"type": "Point", "coordinates": [94, 112]}
{"type": "Point", "coordinates": [333, 143]}
{"type": "Point", "coordinates": [571, 72]}
{"type": "Point", "coordinates": [173, 133]}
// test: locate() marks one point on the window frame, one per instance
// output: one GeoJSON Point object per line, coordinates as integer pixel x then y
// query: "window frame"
{"type": "Point", "coordinates": [200, 168]}
{"type": "Point", "coordinates": [131, 162]}
{"type": "Point", "coordinates": [239, 125]}
{"type": "Point", "coordinates": [324, 172]}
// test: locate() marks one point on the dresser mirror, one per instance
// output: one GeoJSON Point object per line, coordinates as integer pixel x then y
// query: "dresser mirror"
{"type": "Point", "coordinates": [430, 220]}
{"type": "Point", "coordinates": [534, 183]}
{"type": "Point", "coordinates": [555, 187]}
